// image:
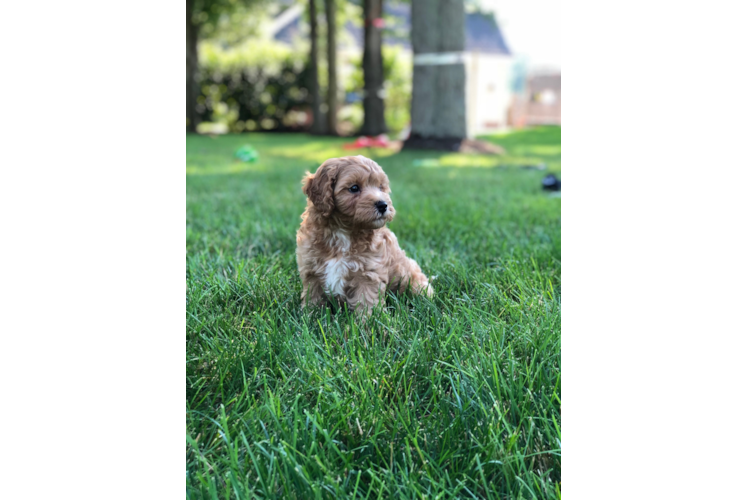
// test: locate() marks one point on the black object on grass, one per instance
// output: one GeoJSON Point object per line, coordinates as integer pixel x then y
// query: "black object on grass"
{"type": "Point", "coordinates": [551, 183]}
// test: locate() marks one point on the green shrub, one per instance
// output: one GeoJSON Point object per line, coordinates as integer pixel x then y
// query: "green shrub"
{"type": "Point", "coordinates": [398, 78]}
{"type": "Point", "coordinates": [258, 85]}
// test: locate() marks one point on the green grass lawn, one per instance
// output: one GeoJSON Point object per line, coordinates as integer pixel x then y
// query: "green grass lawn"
{"type": "Point", "coordinates": [454, 397]}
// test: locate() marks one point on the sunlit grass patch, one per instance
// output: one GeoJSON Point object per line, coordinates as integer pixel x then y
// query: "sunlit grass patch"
{"type": "Point", "coordinates": [454, 397]}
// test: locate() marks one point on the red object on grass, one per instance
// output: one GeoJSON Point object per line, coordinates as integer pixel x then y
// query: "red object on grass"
{"type": "Point", "coordinates": [568, 415]}
{"type": "Point", "coordinates": [381, 141]}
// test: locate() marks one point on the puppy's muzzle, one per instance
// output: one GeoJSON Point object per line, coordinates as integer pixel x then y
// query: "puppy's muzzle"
{"type": "Point", "coordinates": [381, 206]}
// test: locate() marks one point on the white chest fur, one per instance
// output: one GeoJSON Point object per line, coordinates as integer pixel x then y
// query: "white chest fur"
{"type": "Point", "coordinates": [337, 268]}
{"type": "Point", "coordinates": [336, 271]}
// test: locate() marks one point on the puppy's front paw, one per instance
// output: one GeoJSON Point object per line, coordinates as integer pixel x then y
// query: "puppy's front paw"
{"type": "Point", "coordinates": [422, 286]}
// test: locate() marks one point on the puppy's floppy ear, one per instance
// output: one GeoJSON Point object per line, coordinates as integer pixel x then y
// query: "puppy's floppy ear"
{"type": "Point", "coordinates": [319, 186]}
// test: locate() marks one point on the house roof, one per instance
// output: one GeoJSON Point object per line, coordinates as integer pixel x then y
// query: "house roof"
{"type": "Point", "coordinates": [288, 28]}
{"type": "Point", "coordinates": [482, 33]}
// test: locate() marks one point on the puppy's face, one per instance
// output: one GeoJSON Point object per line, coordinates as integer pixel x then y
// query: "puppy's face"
{"type": "Point", "coordinates": [353, 188]}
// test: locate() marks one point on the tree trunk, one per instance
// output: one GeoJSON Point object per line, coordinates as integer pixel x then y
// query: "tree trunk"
{"type": "Point", "coordinates": [374, 123]}
{"type": "Point", "coordinates": [318, 119]}
{"type": "Point", "coordinates": [332, 83]}
{"type": "Point", "coordinates": [192, 84]}
{"type": "Point", "coordinates": [438, 114]}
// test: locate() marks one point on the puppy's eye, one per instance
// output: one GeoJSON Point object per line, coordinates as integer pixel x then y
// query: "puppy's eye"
{"type": "Point", "coordinates": [354, 189]}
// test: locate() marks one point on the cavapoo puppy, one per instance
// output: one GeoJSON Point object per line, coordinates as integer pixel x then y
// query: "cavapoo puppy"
{"type": "Point", "coordinates": [343, 248]}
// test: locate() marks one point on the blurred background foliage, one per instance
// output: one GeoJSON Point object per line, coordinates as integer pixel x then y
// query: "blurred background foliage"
{"type": "Point", "coordinates": [248, 81]}
{"type": "Point", "coordinates": [398, 77]}
{"type": "Point", "coordinates": [255, 85]}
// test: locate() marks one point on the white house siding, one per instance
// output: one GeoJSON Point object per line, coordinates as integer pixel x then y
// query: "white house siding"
{"type": "Point", "coordinates": [487, 92]}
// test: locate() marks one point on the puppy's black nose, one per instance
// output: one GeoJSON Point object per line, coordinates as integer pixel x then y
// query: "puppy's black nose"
{"type": "Point", "coordinates": [381, 206]}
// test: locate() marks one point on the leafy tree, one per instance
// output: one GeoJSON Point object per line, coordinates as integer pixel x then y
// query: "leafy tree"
{"type": "Point", "coordinates": [319, 124]}
{"type": "Point", "coordinates": [332, 69]}
{"type": "Point", "coordinates": [206, 17]}
{"type": "Point", "coordinates": [374, 123]}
